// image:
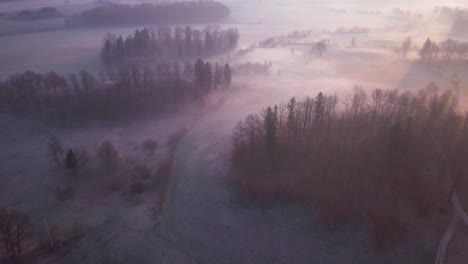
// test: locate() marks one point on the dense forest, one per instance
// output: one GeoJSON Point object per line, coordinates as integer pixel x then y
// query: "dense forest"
{"type": "Point", "coordinates": [166, 43]}
{"type": "Point", "coordinates": [447, 51]}
{"type": "Point", "coordinates": [80, 98]}
{"type": "Point", "coordinates": [383, 158]}
{"type": "Point", "coordinates": [180, 12]}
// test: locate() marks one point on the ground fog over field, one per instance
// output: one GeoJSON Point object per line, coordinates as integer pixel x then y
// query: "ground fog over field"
{"type": "Point", "coordinates": [202, 221]}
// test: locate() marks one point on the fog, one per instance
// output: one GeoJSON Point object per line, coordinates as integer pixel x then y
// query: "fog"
{"type": "Point", "coordinates": [174, 201]}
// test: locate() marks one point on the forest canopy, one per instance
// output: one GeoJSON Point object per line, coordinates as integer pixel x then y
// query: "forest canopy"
{"type": "Point", "coordinates": [181, 12]}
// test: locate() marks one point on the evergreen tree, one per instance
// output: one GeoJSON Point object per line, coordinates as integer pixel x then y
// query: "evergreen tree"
{"type": "Point", "coordinates": [291, 115]}
{"type": "Point", "coordinates": [271, 128]}
{"type": "Point", "coordinates": [106, 53]}
{"type": "Point", "coordinates": [227, 75]}
{"type": "Point", "coordinates": [179, 43]}
{"type": "Point", "coordinates": [426, 50]}
{"type": "Point", "coordinates": [208, 43]}
{"type": "Point", "coordinates": [119, 48]}
{"type": "Point", "coordinates": [188, 41]}
{"type": "Point", "coordinates": [200, 72]}
{"type": "Point", "coordinates": [217, 76]}
{"type": "Point", "coordinates": [208, 77]}
{"type": "Point", "coordinates": [319, 108]}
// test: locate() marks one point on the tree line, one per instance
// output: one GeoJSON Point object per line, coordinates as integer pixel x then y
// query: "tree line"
{"type": "Point", "coordinates": [378, 159]}
{"type": "Point", "coordinates": [180, 12]}
{"type": "Point", "coordinates": [167, 43]}
{"type": "Point", "coordinates": [447, 51]}
{"type": "Point", "coordinates": [458, 16]}
{"type": "Point", "coordinates": [116, 93]}
{"type": "Point", "coordinates": [40, 14]}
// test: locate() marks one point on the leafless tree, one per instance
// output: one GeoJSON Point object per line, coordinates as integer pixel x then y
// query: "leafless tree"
{"type": "Point", "coordinates": [150, 146]}
{"type": "Point", "coordinates": [155, 208]}
{"type": "Point", "coordinates": [55, 152]}
{"type": "Point", "coordinates": [13, 226]}
{"type": "Point", "coordinates": [108, 157]}
{"type": "Point", "coordinates": [82, 157]}
{"type": "Point", "coordinates": [405, 47]}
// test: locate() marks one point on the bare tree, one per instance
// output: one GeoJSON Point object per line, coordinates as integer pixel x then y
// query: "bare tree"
{"type": "Point", "coordinates": [149, 146]}
{"type": "Point", "coordinates": [108, 157]}
{"type": "Point", "coordinates": [55, 151]}
{"type": "Point", "coordinates": [82, 157]}
{"type": "Point", "coordinates": [156, 207]}
{"type": "Point", "coordinates": [13, 226]}
{"type": "Point", "coordinates": [405, 47]}
{"type": "Point", "coordinates": [50, 241]}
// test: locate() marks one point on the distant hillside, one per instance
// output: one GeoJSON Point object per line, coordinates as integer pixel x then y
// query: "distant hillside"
{"type": "Point", "coordinates": [183, 12]}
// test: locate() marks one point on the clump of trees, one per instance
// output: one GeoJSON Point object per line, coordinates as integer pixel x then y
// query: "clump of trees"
{"type": "Point", "coordinates": [405, 47]}
{"type": "Point", "coordinates": [180, 12]}
{"type": "Point", "coordinates": [376, 160]}
{"type": "Point", "coordinates": [448, 51]}
{"type": "Point", "coordinates": [320, 47]}
{"type": "Point", "coordinates": [73, 159]}
{"type": "Point", "coordinates": [115, 94]}
{"type": "Point", "coordinates": [255, 68]}
{"type": "Point", "coordinates": [166, 43]}
{"type": "Point", "coordinates": [401, 13]}
{"type": "Point", "coordinates": [353, 30]}
{"type": "Point", "coordinates": [456, 15]}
